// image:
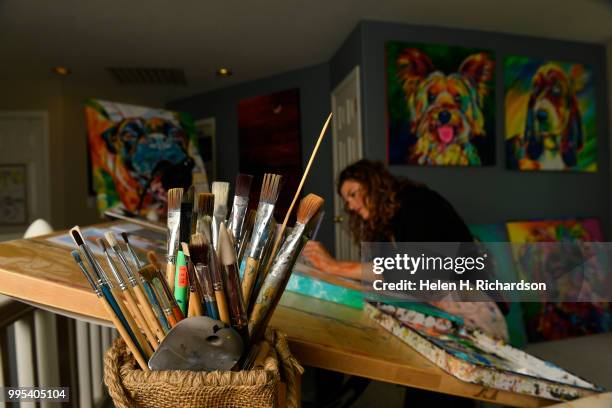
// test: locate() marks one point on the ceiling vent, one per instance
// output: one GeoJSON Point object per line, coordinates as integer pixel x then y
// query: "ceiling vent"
{"type": "Point", "coordinates": [149, 76]}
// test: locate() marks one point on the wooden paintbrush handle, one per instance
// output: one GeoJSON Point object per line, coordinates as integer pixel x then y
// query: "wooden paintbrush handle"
{"type": "Point", "coordinates": [170, 318]}
{"type": "Point", "coordinates": [178, 315]}
{"type": "Point", "coordinates": [170, 273]}
{"type": "Point", "coordinates": [250, 276]}
{"type": "Point", "coordinates": [195, 307]}
{"type": "Point", "coordinates": [224, 315]}
{"type": "Point", "coordinates": [148, 313]}
{"type": "Point", "coordinates": [125, 336]}
{"type": "Point", "coordinates": [140, 319]}
{"type": "Point", "coordinates": [144, 345]}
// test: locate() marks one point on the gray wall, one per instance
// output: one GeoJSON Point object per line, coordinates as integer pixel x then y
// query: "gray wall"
{"type": "Point", "coordinates": [491, 194]}
{"type": "Point", "coordinates": [313, 83]}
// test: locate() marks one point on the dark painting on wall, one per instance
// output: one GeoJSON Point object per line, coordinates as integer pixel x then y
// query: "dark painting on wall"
{"type": "Point", "coordinates": [269, 134]}
{"type": "Point", "coordinates": [440, 105]}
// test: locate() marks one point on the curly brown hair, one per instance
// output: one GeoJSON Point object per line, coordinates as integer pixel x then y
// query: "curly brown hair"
{"type": "Point", "coordinates": [380, 193]}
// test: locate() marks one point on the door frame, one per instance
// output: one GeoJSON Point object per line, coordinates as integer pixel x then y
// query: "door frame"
{"type": "Point", "coordinates": [351, 77]}
{"type": "Point", "coordinates": [45, 181]}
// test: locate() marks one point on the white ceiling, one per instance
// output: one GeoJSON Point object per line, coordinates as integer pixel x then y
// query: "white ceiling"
{"type": "Point", "coordinates": [254, 38]}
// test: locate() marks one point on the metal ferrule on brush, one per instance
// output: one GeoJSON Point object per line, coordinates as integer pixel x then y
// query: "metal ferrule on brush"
{"type": "Point", "coordinates": [286, 255]}
{"type": "Point", "coordinates": [115, 271]}
{"type": "Point", "coordinates": [261, 230]}
{"type": "Point", "coordinates": [100, 273]}
{"type": "Point", "coordinates": [174, 222]}
{"type": "Point", "coordinates": [126, 266]}
{"type": "Point", "coordinates": [237, 217]}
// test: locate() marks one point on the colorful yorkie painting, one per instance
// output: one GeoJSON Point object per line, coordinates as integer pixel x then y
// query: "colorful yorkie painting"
{"type": "Point", "coordinates": [137, 154]}
{"type": "Point", "coordinates": [550, 115]}
{"type": "Point", "coordinates": [440, 105]}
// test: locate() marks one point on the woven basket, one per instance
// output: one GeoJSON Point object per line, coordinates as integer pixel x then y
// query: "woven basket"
{"type": "Point", "coordinates": [129, 386]}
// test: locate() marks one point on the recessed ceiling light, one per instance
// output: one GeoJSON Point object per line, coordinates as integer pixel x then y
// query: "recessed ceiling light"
{"type": "Point", "coordinates": [224, 72]}
{"type": "Point", "coordinates": [61, 70]}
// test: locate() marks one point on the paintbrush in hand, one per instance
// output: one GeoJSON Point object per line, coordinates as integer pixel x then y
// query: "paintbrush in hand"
{"type": "Point", "coordinates": [261, 231]}
{"type": "Point", "coordinates": [175, 196]}
{"type": "Point", "coordinates": [220, 189]}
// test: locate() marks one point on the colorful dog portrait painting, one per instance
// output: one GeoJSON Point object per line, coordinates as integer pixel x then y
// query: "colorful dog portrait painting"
{"type": "Point", "coordinates": [137, 154]}
{"type": "Point", "coordinates": [440, 105]}
{"type": "Point", "coordinates": [550, 115]}
{"type": "Point", "coordinates": [557, 320]}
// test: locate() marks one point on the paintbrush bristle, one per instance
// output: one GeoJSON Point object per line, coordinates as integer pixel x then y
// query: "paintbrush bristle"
{"type": "Point", "coordinates": [76, 235]}
{"type": "Point", "coordinates": [102, 244]}
{"type": "Point", "coordinates": [270, 188]}
{"type": "Point", "coordinates": [125, 236]}
{"type": "Point", "coordinates": [243, 184]}
{"type": "Point", "coordinates": [205, 204]}
{"type": "Point", "coordinates": [227, 254]}
{"type": "Point", "coordinates": [148, 272]}
{"type": "Point", "coordinates": [220, 190]}
{"type": "Point", "coordinates": [175, 195]}
{"type": "Point", "coordinates": [198, 249]}
{"type": "Point", "coordinates": [110, 237]}
{"type": "Point", "coordinates": [309, 206]}
{"type": "Point", "coordinates": [153, 259]}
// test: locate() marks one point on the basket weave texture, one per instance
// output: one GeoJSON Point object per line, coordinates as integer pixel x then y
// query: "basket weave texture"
{"type": "Point", "coordinates": [129, 386]}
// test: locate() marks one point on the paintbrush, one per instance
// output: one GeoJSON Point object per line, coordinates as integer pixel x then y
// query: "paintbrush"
{"type": "Point", "coordinates": [246, 235]}
{"type": "Point", "coordinates": [175, 196]}
{"type": "Point", "coordinates": [220, 189]}
{"type": "Point", "coordinates": [280, 272]}
{"type": "Point", "coordinates": [151, 308]}
{"type": "Point", "coordinates": [153, 260]}
{"type": "Point", "coordinates": [201, 250]}
{"type": "Point", "coordinates": [129, 298]}
{"type": "Point", "coordinates": [198, 250]}
{"type": "Point", "coordinates": [186, 215]}
{"type": "Point", "coordinates": [114, 314]}
{"type": "Point", "coordinates": [200, 183]}
{"type": "Point", "coordinates": [299, 190]}
{"type": "Point", "coordinates": [195, 293]}
{"type": "Point", "coordinates": [204, 209]}
{"type": "Point", "coordinates": [151, 274]}
{"type": "Point", "coordinates": [181, 284]}
{"type": "Point", "coordinates": [137, 262]}
{"type": "Point", "coordinates": [240, 206]}
{"type": "Point", "coordinates": [111, 294]}
{"type": "Point", "coordinates": [263, 220]}
{"type": "Point", "coordinates": [227, 256]}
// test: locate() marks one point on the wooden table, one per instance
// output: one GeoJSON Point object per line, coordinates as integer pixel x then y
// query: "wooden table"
{"type": "Point", "coordinates": [321, 334]}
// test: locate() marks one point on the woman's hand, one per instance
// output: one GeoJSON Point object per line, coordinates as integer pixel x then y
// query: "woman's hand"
{"type": "Point", "coordinates": [318, 256]}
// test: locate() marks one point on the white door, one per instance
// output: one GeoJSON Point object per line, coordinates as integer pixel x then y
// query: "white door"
{"type": "Point", "coordinates": [24, 171]}
{"type": "Point", "coordinates": [346, 106]}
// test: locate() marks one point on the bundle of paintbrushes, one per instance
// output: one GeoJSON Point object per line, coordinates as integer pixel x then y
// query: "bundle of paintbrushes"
{"type": "Point", "coordinates": [222, 272]}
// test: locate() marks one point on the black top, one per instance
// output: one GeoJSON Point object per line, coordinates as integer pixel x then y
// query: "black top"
{"type": "Point", "coordinates": [425, 216]}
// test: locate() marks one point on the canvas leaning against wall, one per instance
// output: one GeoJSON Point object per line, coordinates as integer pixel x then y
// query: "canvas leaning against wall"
{"type": "Point", "coordinates": [550, 115]}
{"type": "Point", "coordinates": [440, 105]}
{"type": "Point", "coordinates": [137, 154]}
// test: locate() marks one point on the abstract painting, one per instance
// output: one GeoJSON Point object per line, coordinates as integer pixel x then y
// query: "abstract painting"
{"type": "Point", "coordinates": [550, 115]}
{"type": "Point", "coordinates": [556, 320]}
{"type": "Point", "coordinates": [440, 105]}
{"type": "Point", "coordinates": [137, 154]}
{"type": "Point", "coordinates": [269, 136]}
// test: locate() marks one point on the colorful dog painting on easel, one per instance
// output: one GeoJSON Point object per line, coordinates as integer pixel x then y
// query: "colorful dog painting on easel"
{"type": "Point", "coordinates": [445, 97]}
{"type": "Point", "coordinates": [550, 116]}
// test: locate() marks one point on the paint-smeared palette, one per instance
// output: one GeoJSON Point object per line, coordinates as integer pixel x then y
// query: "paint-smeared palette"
{"type": "Point", "coordinates": [474, 357]}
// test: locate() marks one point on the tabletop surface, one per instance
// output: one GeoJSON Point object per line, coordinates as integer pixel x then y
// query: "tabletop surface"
{"type": "Point", "coordinates": [321, 334]}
